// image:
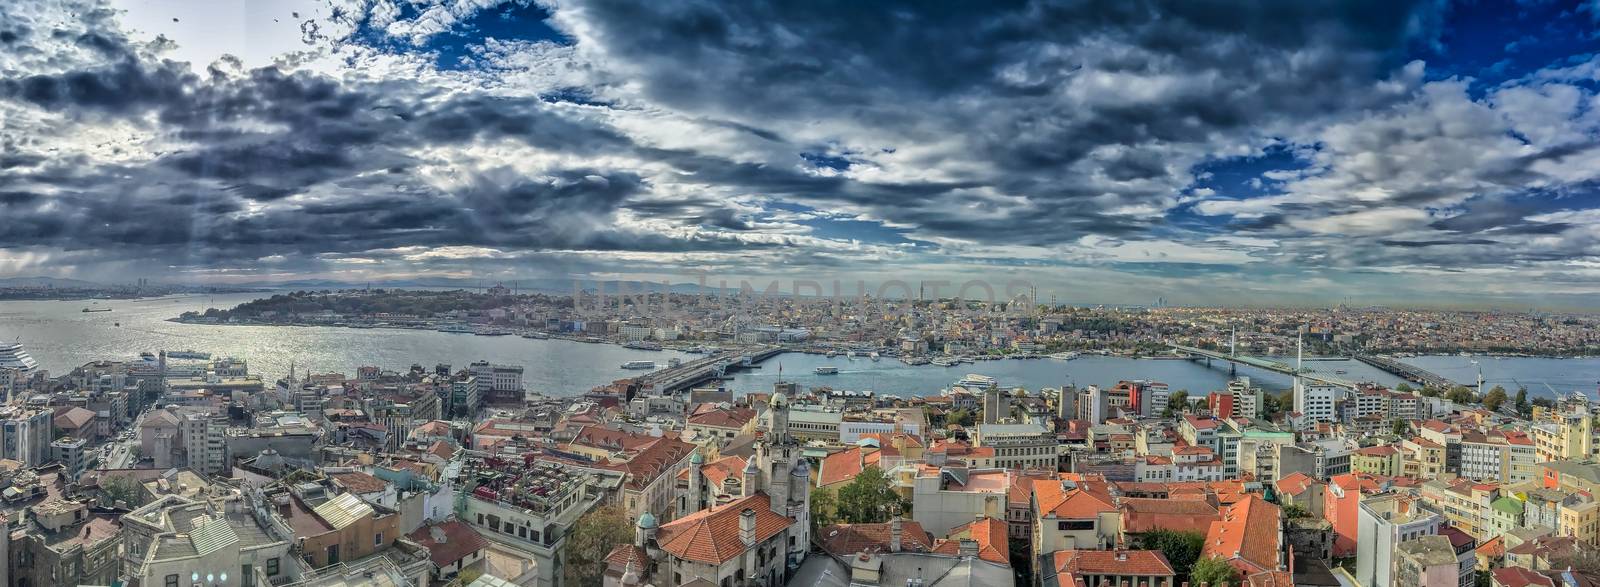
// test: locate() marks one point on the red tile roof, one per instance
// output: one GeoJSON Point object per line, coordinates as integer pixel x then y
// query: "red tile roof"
{"type": "Point", "coordinates": [359, 482]}
{"type": "Point", "coordinates": [1521, 577]}
{"type": "Point", "coordinates": [848, 539]}
{"type": "Point", "coordinates": [719, 418]}
{"type": "Point", "coordinates": [1078, 503]}
{"type": "Point", "coordinates": [712, 535]}
{"type": "Point", "coordinates": [841, 466]}
{"type": "Point", "coordinates": [1180, 515]}
{"type": "Point", "coordinates": [1247, 536]}
{"type": "Point", "coordinates": [449, 541]}
{"type": "Point", "coordinates": [717, 472]}
{"type": "Point", "coordinates": [1138, 563]}
{"type": "Point", "coordinates": [1295, 483]}
{"type": "Point", "coordinates": [989, 533]}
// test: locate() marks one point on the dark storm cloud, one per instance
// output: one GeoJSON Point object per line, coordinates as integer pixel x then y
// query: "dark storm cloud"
{"type": "Point", "coordinates": [1019, 83]}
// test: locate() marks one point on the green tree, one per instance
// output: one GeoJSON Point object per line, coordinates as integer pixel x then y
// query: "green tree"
{"type": "Point", "coordinates": [1430, 391]}
{"type": "Point", "coordinates": [1522, 401]}
{"type": "Point", "coordinates": [1495, 398]}
{"type": "Point", "coordinates": [1295, 511]}
{"type": "Point", "coordinates": [592, 538]}
{"type": "Point", "coordinates": [124, 489]}
{"type": "Point", "coordinates": [962, 417]}
{"type": "Point", "coordinates": [1403, 387]}
{"type": "Point", "coordinates": [824, 510]}
{"type": "Point", "coordinates": [1177, 402]}
{"type": "Point", "coordinates": [868, 498]}
{"type": "Point", "coordinates": [1213, 571]}
{"type": "Point", "coordinates": [1182, 549]}
{"type": "Point", "coordinates": [1461, 395]}
{"type": "Point", "coordinates": [1401, 427]}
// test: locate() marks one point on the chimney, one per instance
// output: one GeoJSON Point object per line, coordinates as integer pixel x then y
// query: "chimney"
{"type": "Point", "coordinates": [747, 527]}
{"type": "Point", "coordinates": [894, 534]}
{"type": "Point", "coordinates": [967, 548]}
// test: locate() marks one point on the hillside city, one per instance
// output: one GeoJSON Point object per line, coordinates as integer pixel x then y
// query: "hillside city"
{"type": "Point", "coordinates": [177, 468]}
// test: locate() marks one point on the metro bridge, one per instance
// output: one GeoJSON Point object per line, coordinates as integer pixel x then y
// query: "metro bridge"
{"type": "Point", "coordinates": [1274, 366]}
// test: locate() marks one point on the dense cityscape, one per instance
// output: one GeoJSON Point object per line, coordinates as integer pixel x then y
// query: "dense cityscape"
{"type": "Point", "coordinates": [799, 293]}
{"type": "Point", "coordinates": [178, 465]}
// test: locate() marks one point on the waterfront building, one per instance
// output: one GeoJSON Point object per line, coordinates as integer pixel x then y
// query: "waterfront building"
{"type": "Point", "coordinates": [25, 435]}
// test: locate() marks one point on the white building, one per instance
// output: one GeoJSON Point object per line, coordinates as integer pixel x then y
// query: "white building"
{"type": "Point", "coordinates": [1383, 522]}
{"type": "Point", "coordinates": [205, 442]}
{"type": "Point", "coordinates": [497, 377]}
{"type": "Point", "coordinates": [1315, 400]}
{"type": "Point", "coordinates": [1246, 398]}
{"type": "Point", "coordinates": [25, 435]}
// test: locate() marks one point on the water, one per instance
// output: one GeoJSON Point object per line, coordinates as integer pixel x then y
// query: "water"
{"type": "Point", "coordinates": [60, 336]}
{"type": "Point", "coordinates": [893, 377]}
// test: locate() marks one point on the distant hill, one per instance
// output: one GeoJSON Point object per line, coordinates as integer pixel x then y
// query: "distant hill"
{"type": "Point", "coordinates": [56, 282]}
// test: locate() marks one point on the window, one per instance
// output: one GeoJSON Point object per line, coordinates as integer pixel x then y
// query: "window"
{"type": "Point", "coordinates": [247, 575]}
{"type": "Point", "coordinates": [272, 566]}
{"type": "Point", "coordinates": [1075, 525]}
{"type": "Point", "coordinates": [172, 581]}
{"type": "Point", "coordinates": [378, 540]}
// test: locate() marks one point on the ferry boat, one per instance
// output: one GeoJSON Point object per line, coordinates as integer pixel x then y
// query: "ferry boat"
{"type": "Point", "coordinates": [1066, 356]}
{"type": "Point", "coordinates": [827, 370]}
{"type": "Point", "coordinates": [945, 361]}
{"type": "Point", "coordinates": [643, 345]}
{"type": "Point", "coordinates": [491, 332]}
{"type": "Point", "coordinates": [97, 309]}
{"type": "Point", "coordinates": [457, 328]}
{"type": "Point", "coordinates": [639, 365]}
{"type": "Point", "coordinates": [190, 354]}
{"type": "Point", "coordinates": [976, 380]}
{"type": "Point", "coordinates": [535, 335]}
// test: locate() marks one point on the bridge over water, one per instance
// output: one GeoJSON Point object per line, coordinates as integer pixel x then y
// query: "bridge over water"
{"type": "Point", "coordinates": [674, 379]}
{"type": "Point", "coordinates": [1410, 373]}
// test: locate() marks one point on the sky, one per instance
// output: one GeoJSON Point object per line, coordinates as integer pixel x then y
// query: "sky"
{"type": "Point", "coordinates": [1207, 152]}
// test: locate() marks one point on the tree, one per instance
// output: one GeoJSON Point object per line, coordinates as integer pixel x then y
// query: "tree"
{"type": "Point", "coordinates": [1295, 511]}
{"type": "Point", "coordinates": [1213, 571]}
{"type": "Point", "coordinates": [1182, 549]}
{"type": "Point", "coordinates": [1522, 400]}
{"type": "Point", "coordinates": [1495, 398]}
{"type": "Point", "coordinates": [1461, 395]}
{"type": "Point", "coordinates": [1403, 387]}
{"type": "Point", "coordinates": [962, 417]}
{"type": "Point", "coordinates": [1178, 401]}
{"type": "Point", "coordinates": [824, 510]}
{"type": "Point", "coordinates": [1401, 427]}
{"type": "Point", "coordinates": [124, 489]}
{"type": "Point", "coordinates": [868, 498]}
{"type": "Point", "coordinates": [592, 538]}
{"type": "Point", "coordinates": [1430, 391]}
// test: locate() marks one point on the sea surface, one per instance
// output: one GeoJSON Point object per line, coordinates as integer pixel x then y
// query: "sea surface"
{"type": "Point", "coordinates": [61, 336]}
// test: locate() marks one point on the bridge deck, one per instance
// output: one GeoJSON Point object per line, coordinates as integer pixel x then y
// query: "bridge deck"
{"type": "Point", "coordinates": [1274, 366]}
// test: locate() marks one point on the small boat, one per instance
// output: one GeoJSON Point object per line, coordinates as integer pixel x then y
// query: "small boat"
{"type": "Point", "coordinates": [832, 354]}
{"type": "Point", "coordinates": [875, 356]}
{"type": "Point", "coordinates": [850, 354]}
{"type": "Point", "coordinates": [827, 370]}
{"type": "Point", "coordinates": [639, 365]}
{"type": "Point", "coordinates": [1340, 372]}
{"type": "Point", "coordinates": [945, 361]}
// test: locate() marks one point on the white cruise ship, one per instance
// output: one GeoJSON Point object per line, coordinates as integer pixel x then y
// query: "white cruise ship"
{"type": "Point", "coordinates": [639, 365]}
{"type": "Point", "coordinates": [13, 357]}
{"type": "Point", "coordinates": [974, 380]}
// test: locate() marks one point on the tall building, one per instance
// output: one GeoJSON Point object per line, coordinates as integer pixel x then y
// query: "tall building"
{"type": "Point", "coordinates": [995, 406]}
{"type": "Point", "coordinates": [205, 443]}
{"type": "Point", "coordinates": [1246, 399]}
{"type": "Point", "coordinates": [497, 378]}
{"type": "Point", "coordinates": [1315, 400]}
{"type": "Point", "coordinates": [25, 435]}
